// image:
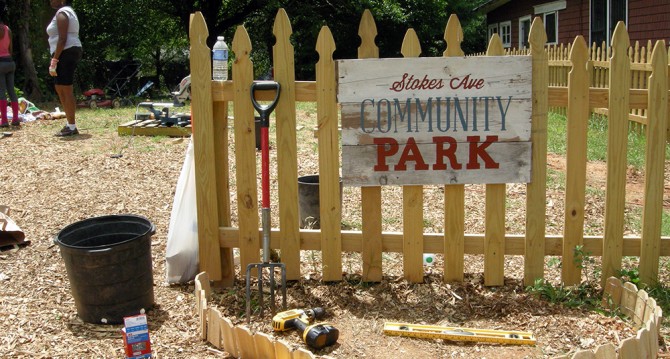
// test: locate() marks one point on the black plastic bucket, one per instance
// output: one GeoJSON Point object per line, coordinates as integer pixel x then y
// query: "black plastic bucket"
{"type": "Point", "coordinates": [108, 263]}
{"type": "Point", "coordinates": [308, 201]}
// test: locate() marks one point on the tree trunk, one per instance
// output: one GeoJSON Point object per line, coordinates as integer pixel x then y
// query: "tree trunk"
{"type": "Point", "coordinates": [159, 67]}
{"type": "Point", "coordinates": [31, 86]}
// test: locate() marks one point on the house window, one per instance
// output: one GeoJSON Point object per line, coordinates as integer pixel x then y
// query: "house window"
{"type": "Point", "coordinates": [524, 31]}
{"type": "Point", "coordinates": [493, 29]}
{"type": "Point", "coordinates": [549, 13]}
{"type": "Point", "coordinates": [605, 14]}
{"type": "Point", "coordinates": [506, 33]}
{"type": "Point", "coordinates": [551, 26]}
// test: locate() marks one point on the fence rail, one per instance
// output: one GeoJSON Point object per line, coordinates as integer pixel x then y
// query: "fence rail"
{"type": "Point", "coordinates": [577, 94]}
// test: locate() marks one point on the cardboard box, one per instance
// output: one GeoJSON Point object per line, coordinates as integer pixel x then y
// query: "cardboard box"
{"type": "Point", "coordinates": [136, 337]}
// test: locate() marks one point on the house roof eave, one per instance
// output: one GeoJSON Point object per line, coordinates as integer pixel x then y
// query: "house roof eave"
{"type": "Point", "coordinates": [490, 5]}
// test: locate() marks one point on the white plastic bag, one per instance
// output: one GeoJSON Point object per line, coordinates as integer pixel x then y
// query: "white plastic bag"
{"type": "Point", "coordinates": [181, 255]}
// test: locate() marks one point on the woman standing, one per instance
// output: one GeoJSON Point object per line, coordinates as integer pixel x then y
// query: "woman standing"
{"type": "Point", "coordinates": [65, 48]}
{"type": "Point", "coordinates": [7, 68]}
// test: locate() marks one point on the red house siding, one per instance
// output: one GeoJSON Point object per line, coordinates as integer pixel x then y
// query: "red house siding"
{"type": "Point", "coordinates": [573, 21]}
{"type": "Point", "coordinates": [512, 11]}
{"type": "Point", "coordinates": [647, 19]}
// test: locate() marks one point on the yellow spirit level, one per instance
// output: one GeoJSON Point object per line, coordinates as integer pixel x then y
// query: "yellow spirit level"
{"type": "Point", "coordinates": [459, 334]}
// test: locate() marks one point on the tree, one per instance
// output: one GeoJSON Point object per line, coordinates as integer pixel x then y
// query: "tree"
{"type": "Point", "coordinates": [155, 33]}
{"type": "Point", "coordinates": [20, 13]}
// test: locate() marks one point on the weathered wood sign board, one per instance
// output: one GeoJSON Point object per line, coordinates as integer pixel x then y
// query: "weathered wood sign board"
{"type": "Point", "coordinates": [441, 120]}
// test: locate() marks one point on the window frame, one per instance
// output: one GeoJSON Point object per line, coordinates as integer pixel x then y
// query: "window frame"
{"type": "Point", "coordinates": [505, 38]}
{"type": "Point", "coordinates": [522, 19]}
{"type": "Point", "coordinates": [544, 20]}
{"type": "Point", "coordinates": [492, 29]}
{"type": "Point", "coordinates": [551, 8]}
{"type": "Point", "coordinates": [609, 27]}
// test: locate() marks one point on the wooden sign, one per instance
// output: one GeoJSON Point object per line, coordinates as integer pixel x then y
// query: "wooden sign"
{"type": "Point", "coordinates": [441, 120]}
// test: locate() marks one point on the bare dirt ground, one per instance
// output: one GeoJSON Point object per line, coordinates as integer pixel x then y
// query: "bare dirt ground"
{"type": "Point", "coordinates": [50, 183]}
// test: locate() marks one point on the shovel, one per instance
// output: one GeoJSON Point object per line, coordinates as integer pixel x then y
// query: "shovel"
{"type": "Point", "coordinates": [264, 111]}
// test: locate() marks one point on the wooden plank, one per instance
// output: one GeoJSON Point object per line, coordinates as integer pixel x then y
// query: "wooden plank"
{"type": "Point", "coordinates": [435, 77]}
{"type": "Point", "coordinates": [287, 169]}
{"type": "Point", "coordinates": [305, 91]}
{"type": "Point", "coordinates": [454, 194]}
{"type": "Point", "coordinates": [422, 142]}
{"type": "Point", "coordinates": [228, 339]}
{"type": "Point", "coordinates": [658, 314]}
{"type": "Point", "coordinates": [494, 242]}
{"type": "Point", "coordinates": [654, 180]}
{"type": "Point", "coordinates": [329, 163]}
{"type": "Point", "coordinates": [154, 129]}
{"type": "Point", "coordinates": [584, 354]}
{"type": "Point", "coordinates": [453, 36]}
{"type": "Point", "coordinates": [371, 197]}
{"type": "Point", "coordinates": [245, 342]}
{"type": "Point", "coordinates": [130, 123]}
{"type": "Point", "coordinates": [265, 347]}
{"type": "Point", "coordinates": [434, 242]}
{"type": "Point", "coordinates": [629, 349]}
{"type": "Point", "coordinates": [421, 119]}
{"type": "Point", "coordinates": [198, 294]}
{"type": "Point", "coordinates": [575, 184]}
{"type": "Point", "coordinates": [282, 350]}
{"type": "Point", "coordinates": [494, 238]}
{"type": "Point", "coordinates": [202, 314]}
{"type": "Point", "coordinates": [371, 235]}
{"type": "Point", "coordinates": [628, 299]}
{"type": "Point", "coordinates": [612, 293]}
{"type": "Point", "coordinates": [643, 340]}
{"type": "Point", "coordinates": [598, 98]}
{"type": "Point", "coordinates": [301, 353]}
{"type": "Point", "coordinates": [454, 237]}
{"type": "Point", "coordinates": [501, 162]}
{"type": "Point", "coordinates": [202, 280]}
{"type": "Point", "coordinates": [203, 146]}
{"type": "Point", "coordinates": [536, 190]}
{"type": "Point", "coordinates": [214, 327]}
{"type": "Point", "coordinates": [640, 307]}
{"type": "Point", "coordinates": [653, 328]}
{"type": "Point", "coordinates": [223, 188]}
{"type": "Point", "coordinates": [412, 197]}
{"type": "Point", "coordinates": [617, 144]}
{"type": "Point", "coordinates": [606, 351]}
{"type": "Point", "coordinates": [245, 151]}
{"type": "Point", "coordinates": [650, 307]}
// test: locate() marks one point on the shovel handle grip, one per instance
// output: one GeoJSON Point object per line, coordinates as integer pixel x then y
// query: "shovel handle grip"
{"type": "Point", "coordinates": [265, 110]}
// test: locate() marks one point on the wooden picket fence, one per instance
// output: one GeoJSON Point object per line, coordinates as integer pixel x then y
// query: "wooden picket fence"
{"type": "Point", "coordinates": [217, 238]}
{"type": "Point", "coordinates": [645, 316]}
{"type": "Point", "coordinates": [639, 55]}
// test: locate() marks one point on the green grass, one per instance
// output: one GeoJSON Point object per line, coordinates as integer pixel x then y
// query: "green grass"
{"type": "Point", "coordinates": [597, 151]}
{"type": "Point", "coordinates": [597, 140]}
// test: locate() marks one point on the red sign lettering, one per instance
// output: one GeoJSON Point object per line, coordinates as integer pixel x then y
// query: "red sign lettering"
{"type": "Point", "coordinates": [466, 83]}
{"type": "Point", "coordinates": [408, 82]}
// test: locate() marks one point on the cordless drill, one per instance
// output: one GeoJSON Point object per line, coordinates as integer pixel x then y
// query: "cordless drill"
{"type": "Point", "coordinates": [316, 336]}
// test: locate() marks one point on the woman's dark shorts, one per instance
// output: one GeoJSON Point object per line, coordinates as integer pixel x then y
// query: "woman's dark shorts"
{"type": "Point", "coordinates": [67, 63]}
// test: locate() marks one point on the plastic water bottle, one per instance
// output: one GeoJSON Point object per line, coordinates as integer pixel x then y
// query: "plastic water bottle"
{"type": "Point", "coordinates": [220, 60]}
{"type": "Point", "coordinates": [428, 259]}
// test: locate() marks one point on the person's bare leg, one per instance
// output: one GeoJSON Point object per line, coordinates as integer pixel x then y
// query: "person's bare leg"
{"type": "Point", "coordinates": [67, 100]}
